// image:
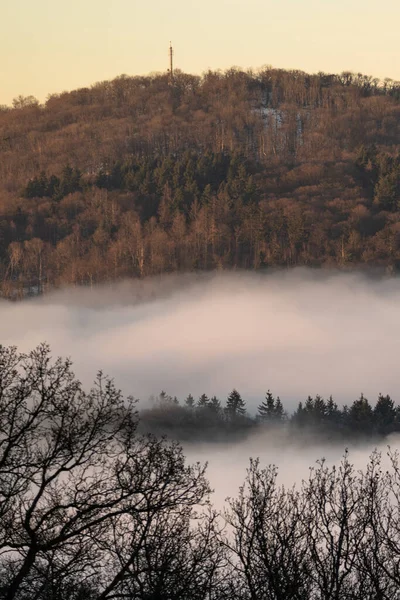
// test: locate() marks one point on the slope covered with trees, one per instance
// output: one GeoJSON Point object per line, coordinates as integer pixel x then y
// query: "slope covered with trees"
{"type": "Point", "coordinates": [138, 176]}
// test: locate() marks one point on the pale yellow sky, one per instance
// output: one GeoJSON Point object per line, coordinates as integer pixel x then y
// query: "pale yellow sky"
{"type": "Point", "coordinates": [51, 46]}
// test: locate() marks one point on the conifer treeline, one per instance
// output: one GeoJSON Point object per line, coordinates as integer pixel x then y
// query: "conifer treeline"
{"type": "Point", "coordinates": [210, 418]}
{"type": "Point", "coordinates": [136, 177]}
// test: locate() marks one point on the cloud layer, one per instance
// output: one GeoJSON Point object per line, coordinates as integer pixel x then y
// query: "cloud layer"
{"type": "Point", "coordinates": [297, 333]}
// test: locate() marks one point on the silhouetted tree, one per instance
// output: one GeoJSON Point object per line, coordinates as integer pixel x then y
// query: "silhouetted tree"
{"type": "Point", "coordinates": [360, 416]}
{"type": "Point", "coordinates": [235, 405]}
{"type": "Point", "coordinates": [384, 415]}
{"type": "Point", "coordinates": [87, 506]}
{"type": "Point", "coordinates": [271, 409]}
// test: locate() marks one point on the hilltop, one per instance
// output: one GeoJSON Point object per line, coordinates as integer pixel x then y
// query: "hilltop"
{"type": "Point", "coordinates": [135, 177]}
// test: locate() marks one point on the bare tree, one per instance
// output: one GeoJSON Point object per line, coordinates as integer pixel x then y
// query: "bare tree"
{"type": "Point", "coordinates": [336, 525]}
{"type": "Point", "coordinates": [337, 538]}
{"type": "Point", "coordinates": [266, 537]}
{"type": "Point", "coordinates": [86, 503]}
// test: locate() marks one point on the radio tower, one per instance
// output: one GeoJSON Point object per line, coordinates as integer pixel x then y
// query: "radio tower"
{"type": "Point", "coordinates": [171, 63]}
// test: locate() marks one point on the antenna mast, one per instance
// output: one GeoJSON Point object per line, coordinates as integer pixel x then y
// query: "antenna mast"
{"type": "Point", "coordinates": [171, 62]}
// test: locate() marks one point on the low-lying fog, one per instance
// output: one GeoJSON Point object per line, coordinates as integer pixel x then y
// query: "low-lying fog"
{"type": "Point", "coordinates": [227, 463]}
{"type": "Point", "coordinates": [296, 332]}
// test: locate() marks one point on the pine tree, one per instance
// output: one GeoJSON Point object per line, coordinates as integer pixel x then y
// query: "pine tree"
{"type": "Point", "coordinates": [53, 186]}
{"type": "Point", "coordinates": [384, 414]}
{"type": "Point", "coordinates": [271, 410]}
{"type": "Point", "coordinates": [332, 413]}
{"type": "Point", "coordinates": [37, 187]}
{"type": "Point", "coordinates": [166, 401]}
{"type": "Point", "coordinates": [279, 411]}
{"type": "Point", "coordinates": [235, 405]}
{"type": "Point", "coordinates": [203, 401]}
{"type": "Point", "coordinates": [361, 416]}
{"type": "Point", "coordinates": [215, 405]}
{"type": "Point", "coordinates": [266, 410]}
{"type": "Point", "coordinates": [386, 192]}
{"type": "Point", "coordinates": [319, 409]}
{"type": "Point", "coordinates": [189, 402]}
{"type": "Point", "coordinates": [300, 415]}
{"type": "Point", "coordinates": [70, 182]}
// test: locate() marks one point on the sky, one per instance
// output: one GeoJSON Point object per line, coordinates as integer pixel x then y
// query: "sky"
{"type": "Point", "coordinates": [52, 46]}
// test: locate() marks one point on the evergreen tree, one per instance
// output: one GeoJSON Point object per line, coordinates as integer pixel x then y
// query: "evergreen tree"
{"type": "Point", "coordinates": [117, 177]}
{"type": "Point", "coordinates": [203, 401]}
{"type": "Point", "coordinates": [189, 402]}
{"type": "Point", "coordinates": [300, 415]}
{"type": "Point", "coordinates": [309, 407]}
{"type": "Point", "coordinates": [387, 193]}
{"type": "Point", "coordinates": [384, 415]}
{"type": "Point", "coordinates": [235, 405]}
{"type": "Point", "coordinates": [271, 409]}
{"type": "Point", "coordinates": [215, 405]}
{"type": "Point", "coordinates": [37, 187]}
{"type": "Point", "coordinates": [319, 409]}
{"type": "Point", "coordinates": [43, 184]}
{"type": "Point", "coordinates": [70, 182]}
{"type": "Point", "coordinates": [53, 186]}
{"type": "Point", "coordinates": [279, 410]}
{"type": "Point", "coordinates": [332, 413]}
{"type": "Point", "coordinates": [266, 409]}
{"type": "Point", "coordinates": [360, 417]}
{"type": "Point", "coordinates": [314, 412]}
{"type": "Point", "coordinates": [166, 401]}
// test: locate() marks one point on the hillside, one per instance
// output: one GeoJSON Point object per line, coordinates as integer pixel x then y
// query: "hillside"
{"type": "Point", "coordinates": [136, 177]}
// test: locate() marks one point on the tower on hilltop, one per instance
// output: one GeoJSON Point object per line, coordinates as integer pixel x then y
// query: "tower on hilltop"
{"type": "Point", "coordinates": [171, 63]}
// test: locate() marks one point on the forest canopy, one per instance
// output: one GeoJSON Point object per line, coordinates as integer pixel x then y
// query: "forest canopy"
{"type": "Point", "coordinates": [236, 169]}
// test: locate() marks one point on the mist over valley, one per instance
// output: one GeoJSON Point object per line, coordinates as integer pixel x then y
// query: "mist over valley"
{"type": "Point", "coordinates": [298, 333]}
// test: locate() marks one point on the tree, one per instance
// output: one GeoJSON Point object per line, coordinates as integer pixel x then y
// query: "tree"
{"type": "Point", "coordinates": [267, 538]}
{"type": "Point", "coordinates": [189, 401]}
{"type": "Point", "coordinates": [25, 102]}
{"type": "Point", "coordinates": [387, 191]}
{"type": "Point", "coordinates": [70, 182]}
{"type": "Point", "coordinates": [335, 537]}
{"type": "Point", "coordinates": [360, 416]}
{"type": "Point", "coordinates": [279, 411]}
{"type": "Point", "coordinates": [215, 405]}
{"type": "Point", "coordinates": [299, 416]}
{"type": "Point", "coordinates": [334, 511]}
{"type": "Point", "coordinates": [166, 401]}
{"type": "Point", "coordinates": [203, 401]}
{"type": "Point", "coordinates": [84, 498]}
{"type": "Point", "coordinates": [37, 187]}
{"type": "Point", "coordinates": [235, 405]}
{"type": "Point", "coordinates": [271, 409]}
{"type": "Point", "coordinates": [267, 408]}
{"type": "Point", "coordinates": [332, 411]}
{"type": "Point", "coordinates": [384, 415]}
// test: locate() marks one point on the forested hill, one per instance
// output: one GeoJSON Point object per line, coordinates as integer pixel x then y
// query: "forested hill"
{"type": "Point", "coordinates": [138, 176]}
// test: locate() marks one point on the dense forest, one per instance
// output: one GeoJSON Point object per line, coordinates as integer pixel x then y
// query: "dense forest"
{"type": "Point", "coordinates": [90, 509]}
{"type": "Point", "coordinates": [140, 176]}
{"type": "Point", "coordinates": [208, 419]}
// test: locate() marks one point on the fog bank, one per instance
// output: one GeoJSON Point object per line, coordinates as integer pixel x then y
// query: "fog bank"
{"type": "Point", "coordinates": [227, 463]}
{"type": "Point", "coordinates": [296, 332]}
